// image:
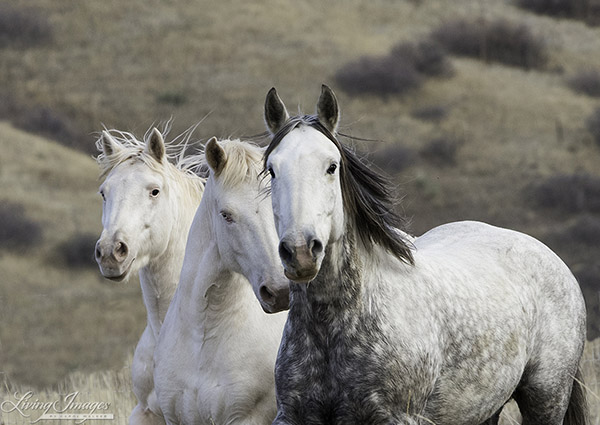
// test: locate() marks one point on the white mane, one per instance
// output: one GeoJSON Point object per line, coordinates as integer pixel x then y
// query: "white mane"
{"type": "Point", "coordinates": [183, 169]}
{"type": "Point", "coordinates": [244, 162]}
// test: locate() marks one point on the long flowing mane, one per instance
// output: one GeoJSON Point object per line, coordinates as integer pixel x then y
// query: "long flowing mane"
{"type": "Point", "coordinates": [185, 169]}
{"type": "Point", "coordinates": [367, 195]}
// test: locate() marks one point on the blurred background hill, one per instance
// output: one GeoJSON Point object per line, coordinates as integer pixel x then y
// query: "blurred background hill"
{"type": "Point", "coordinates": [478, 109]}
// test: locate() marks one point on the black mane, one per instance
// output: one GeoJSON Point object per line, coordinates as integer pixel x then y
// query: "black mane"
{"type": "Point", "coordinates": [367, 195]}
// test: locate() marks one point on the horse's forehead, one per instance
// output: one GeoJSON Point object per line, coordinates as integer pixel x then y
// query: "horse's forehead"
{"type": "Point", "coordinates": [133, 170]}
{"type": "Point", "coordinates": [306, 142]}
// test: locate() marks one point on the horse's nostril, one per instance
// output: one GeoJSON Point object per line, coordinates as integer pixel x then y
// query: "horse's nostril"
{"type": "Point", "coordinates": [286, 252]}
{"type": "Point", "coordinates": [121, 251]}
{"type": "Point", "coordinates": [316, 247]}
{"type": "Point", "coordinates": [98, 252]}
{"type": "Point", "coordinates": [266, 294]}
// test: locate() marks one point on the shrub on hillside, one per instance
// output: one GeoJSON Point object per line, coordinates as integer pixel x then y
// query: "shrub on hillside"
{"type": "Point", "coordinates": [402, 70]}
{"type": "Point", "coordinates": [44, 121]}
{"type": "Point", "coordinates": [593, 125]}
{"type": "Point", "coordinates": [427, 57]}
{"type": "Point", "coordinates": [174, 98]}
{"type": "Point", "coordinates": [569, 193]}
{"type": "Point", "coordinates": [23, 27]}
{"type": "Point", "coordinates": [49, 123]}
{"type": "Point", "coordinates": [79, 250]}
{"type": "Point", "coordinates": [430, 113]}
{"type": "Point", "coordinates": [499, 41]}
{"type": "Point", "coordinates": [382, 76]}
{"type": "Point", "coordinates": [17, 232]}
{"type": "Point", "coordinates": [441, 151]}
{"type": "Point", "coordinates": [586, 10]}
{"type": "Point", "coordinates": [394, 159]}
{"type": "Point", "coordinates": [585, 231]}
{"type": "Point", "coordinates": [565, 8]}
{"type": "Point", "coordinates": [586, 82]}
{"type": "Point", "coordinates": [8, 104]}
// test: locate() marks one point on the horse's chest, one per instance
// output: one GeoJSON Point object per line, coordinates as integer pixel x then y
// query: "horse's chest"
{"type": "Point", "coordinates": [346, 372]}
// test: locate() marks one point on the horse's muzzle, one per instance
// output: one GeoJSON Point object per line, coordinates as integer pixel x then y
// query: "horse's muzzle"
{"type": "Point", "coordinates": [274, 299]}
{"type": "Point", "coordinates": [300, 261]}
{"type": "Point", "coordinates": [113, 259]}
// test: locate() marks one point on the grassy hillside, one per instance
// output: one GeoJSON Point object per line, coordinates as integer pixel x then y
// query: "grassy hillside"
{"type": "Point", "coordinates": [56, 318]}
{"type": "Point", "coordinates": [129, 64]}
{"type": "Point", "coordinates": [111, 388]}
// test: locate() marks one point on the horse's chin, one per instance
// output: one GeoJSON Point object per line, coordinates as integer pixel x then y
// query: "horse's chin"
{"type": "Point", "coordinates": [301, 277]}
{"type": "Point", "coordinates": [123, 277]}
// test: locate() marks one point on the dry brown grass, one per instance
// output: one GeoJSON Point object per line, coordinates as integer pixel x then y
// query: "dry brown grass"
{"type": "Point", "coordinates": [113, 387]}
{"type": "Point", "coordinates": [54, 320]}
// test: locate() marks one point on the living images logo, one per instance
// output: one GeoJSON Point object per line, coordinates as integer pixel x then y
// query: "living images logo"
{"type": "Point", "coordinates": [68, 407]}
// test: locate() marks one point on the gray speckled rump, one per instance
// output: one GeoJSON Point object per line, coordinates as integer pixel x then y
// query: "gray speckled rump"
{"type": "Point", "coordinates": [447, 332]}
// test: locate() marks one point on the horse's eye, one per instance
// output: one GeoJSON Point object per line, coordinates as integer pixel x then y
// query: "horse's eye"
{"type": "Point", "coordinates": [332, 168]}
{"type": "Point", "coordinates": [154, 193]}
{"type": "Point", "coordinates": [271, 172]}
{"type": "Point", "coordinates": [227, 217]}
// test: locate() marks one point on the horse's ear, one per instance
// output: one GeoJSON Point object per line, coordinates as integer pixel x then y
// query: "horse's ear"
{"type": "Point", "coordinates": [156, 145]}
{"type": "Point", "coordinates": [109, 145]}
{"type": "Point", "coordinates": [275, 112]}
{"type": "Point", "coordinates": [215, 156]}
{"type": "Point", "coordinates": [327, 109]}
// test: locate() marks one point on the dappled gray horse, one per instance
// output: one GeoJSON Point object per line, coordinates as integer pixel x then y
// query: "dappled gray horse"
{"type": "Point", "coordinates": [381, 330]}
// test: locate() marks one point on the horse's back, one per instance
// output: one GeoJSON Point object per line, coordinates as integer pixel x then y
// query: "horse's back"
{"type": "Point", "coordinates": [482, 249]}
{"type": "Point", "coordinates": [489, 260]}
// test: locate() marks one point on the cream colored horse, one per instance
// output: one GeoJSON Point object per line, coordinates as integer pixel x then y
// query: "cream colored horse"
{"type": "Point", "coordinates": [148, 207]}
{"type": "Point", "coordinates": [217, 348]}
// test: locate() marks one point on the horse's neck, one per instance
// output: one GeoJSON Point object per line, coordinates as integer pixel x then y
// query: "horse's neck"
{"type": "Point", "coordinates": [159, 278]}
{"type": "Point", "coordinates": [207, 294]}
{"type": "Point", "coordinates": [349, 280]}
{"type": "Point", "coordinates": [158, 282]}
{"type": "Point", "coordinates": [227, 299]}
{"type": "Point", "coordinates": [209, 299]}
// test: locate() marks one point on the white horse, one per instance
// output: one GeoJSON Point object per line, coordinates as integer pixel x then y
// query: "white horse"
{"type": "Point", "coordinates": [149, 205]}
{"type": "Point", "coordinates": [216, 352]}
{"type": "Point", "coordinates": [442, 330]}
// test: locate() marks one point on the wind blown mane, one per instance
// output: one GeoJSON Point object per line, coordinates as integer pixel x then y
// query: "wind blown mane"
{"type": "Point", "coordinates": [367, 195]}
{"type": "Point", "coordinates": [244, 162]}
{"type": "Point", "coordinates": [184, 169]}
